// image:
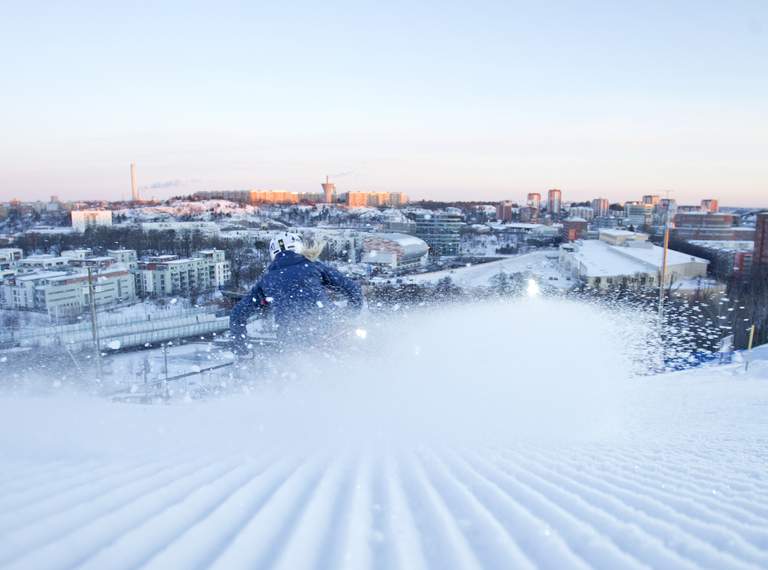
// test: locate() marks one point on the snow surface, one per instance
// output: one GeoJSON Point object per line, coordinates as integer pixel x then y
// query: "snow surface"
{"type": "Point", "coordinates": [543, 264]}
{"type": "Point", "coordinates": [476, 437]}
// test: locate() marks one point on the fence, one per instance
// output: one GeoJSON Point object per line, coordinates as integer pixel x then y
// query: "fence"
{"type": "Point", "coordinates": [121, 331]}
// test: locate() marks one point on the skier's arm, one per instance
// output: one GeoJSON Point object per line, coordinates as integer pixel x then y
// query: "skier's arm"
{"type": "Point", "coordinates": [337, 281]}
{"type": "Point", "coordinates": [253, 302]}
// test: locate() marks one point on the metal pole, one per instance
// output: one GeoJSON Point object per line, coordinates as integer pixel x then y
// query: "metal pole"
{"type": "Point", "coordinates": [94, 321]}
{"type": "Point", "coordinates": [663, 276]}
{"type": "Point", "coordinates": [749, 345]}
{"type": "Point", "coordinates": [165, 361]}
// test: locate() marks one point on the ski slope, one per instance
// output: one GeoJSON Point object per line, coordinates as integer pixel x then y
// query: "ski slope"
{"type": "Point", "coordinates": [504, 469]}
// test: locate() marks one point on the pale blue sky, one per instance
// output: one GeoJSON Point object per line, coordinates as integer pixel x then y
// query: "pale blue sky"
{"type": "Point", "coordinates": [444, 100]}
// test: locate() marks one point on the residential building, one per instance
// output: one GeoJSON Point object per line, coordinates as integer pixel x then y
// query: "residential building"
{"type": "Point", "coordinates": [42, 261]}
{"type": "Point", "coordinates": [273, 197]}
{"type": "Point", "coordinates": [398, 199]}
{"type": "Point", "coordinates": [85, 219]}
{"type": "Point", "coordinates": [651, 199]}
{"type": "Point", "coordinates": [505, 211]}
{"type": "Point", "coordinates": [9, 256]}
{"type": "Point", "coordinates": [125, 257]}
{"type": "Point", "coordinates": [600, 207]}
{"type": "Point", "coordinates": [64, 293]}
{"type": "Point", "coordinates": [250, 196]}
{"type": "Point", "coordinates": [529, 215]}
{"type": "Point", "coordinates": [357, 199]}
{"type": "Point", "coordinates": [760, 256]}
{"type": "Point", "coordinates": [727, 258]}
{"type": "Point", "coordinates": [554, 202]}
{"type": "Point", "coordinates": [581, 212]}
{"type": "Point", "coordinates": [638, 215]}
{"type": "Point", "coordinates": [239, 196]}
{"type": "Point", "coordinates": [210, 229]}
{"type": "Point", "coordinates": [706, 226]}
{"type": "Point", "coordinates": [172, 275]}
{"type": "Point", "coordinates": [77, 253]}
{"type": "Point", "coordinates": [574, 228]}
{"type": "Point", "coordinates": [375, 199]}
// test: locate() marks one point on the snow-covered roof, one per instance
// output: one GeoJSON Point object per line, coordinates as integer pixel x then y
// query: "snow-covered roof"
{"type": "Point", "coordinates": [619, 233]}
{"type": "Point", "coordinates": [410, 245]}
{"type": "Point", "coordinates": [725, 245]}
{"type": "Point", "coordinates": [40, 275]}
{"type": "Point", "coordinates": [600, 259]}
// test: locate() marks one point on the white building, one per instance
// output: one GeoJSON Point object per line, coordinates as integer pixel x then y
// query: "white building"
{"type": "Point", "coordinates": [84, 219]}
{"type": "Point", "coordinates": [42, 261]}
{"type": "Point", "coordinates": [61, 293]}
{"type": "Point", "coordinates": [621, 237]}
{"type": "Point", "coordinates": [77, 253]}
{"type": "Point", "coordinates": [172, 275]}
{"type": "Point", "coordinates": [584, 212]}
{"type": "Point", "coordinates": [341, 244]}
{"type": "Point", "coordinates": [396, 252]}
{"type": "Point", "coordinates": [638, 215]}
{"type": "Point", "coordinates": [209, 229]}
{"type": "Point", "coordinates": [9, 256]}
{"type": "Point", "coordinates": [625, 258]}
{"type": "Point", "coordinates": [125, 257]}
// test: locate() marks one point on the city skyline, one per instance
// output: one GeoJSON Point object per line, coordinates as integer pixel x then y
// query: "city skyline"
{"type": "Point", "coordinates": [487, 101]}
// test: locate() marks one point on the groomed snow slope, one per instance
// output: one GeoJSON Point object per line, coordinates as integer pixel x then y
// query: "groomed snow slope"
{"type": "Point", "coordinates": [521, 459]}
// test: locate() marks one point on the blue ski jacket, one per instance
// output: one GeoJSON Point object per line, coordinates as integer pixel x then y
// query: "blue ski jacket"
{"type": "Point", "coordinates": [295, 289]}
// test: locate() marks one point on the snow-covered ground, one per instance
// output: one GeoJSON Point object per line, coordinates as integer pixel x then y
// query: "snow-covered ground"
{"type": "Point", "coordinates": [543, 264]}
{"type": "Point", "coordinates": [476, 437]}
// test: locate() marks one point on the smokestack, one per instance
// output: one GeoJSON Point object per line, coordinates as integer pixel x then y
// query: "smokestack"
{"type": "Point", "coordinates": [134, 190]}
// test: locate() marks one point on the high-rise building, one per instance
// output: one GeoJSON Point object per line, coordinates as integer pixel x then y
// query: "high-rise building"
{"type": "Point", "coordinates": [134, 189]}
{"type": "Point", "coordinates": [651, 199]}
{"type": "Point", "coordinates": [398, 199]}
{"type": "Point", "coordinates": [710, 205]}
{"type": "Point", "coordinates": [534, 200]}
{"type": "Point", "coordinates": [600, 207]}
{"type": "Point", "coordinates": [667, 204]}
{"type": "Point", "coordinates": [357, 199]}
{"type": "Point", "coordinates": [505, 211]}
{"type": "Point", "coordinates": [441, 231]}
{"type": "Point", "coordinates": [554, 202]}
{"type": "Point", "coordinates": [638, 215]}
{"type": "Point", "coordinates": [329, 191]}
{"type": "Point", "coordinates": [760, 255]}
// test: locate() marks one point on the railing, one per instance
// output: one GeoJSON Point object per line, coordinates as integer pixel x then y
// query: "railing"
{"type": "Point", "coordinates": [121, 331]}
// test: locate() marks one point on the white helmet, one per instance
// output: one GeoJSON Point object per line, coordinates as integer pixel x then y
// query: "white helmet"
{"type": "Point", "coordinates": [285, 242]}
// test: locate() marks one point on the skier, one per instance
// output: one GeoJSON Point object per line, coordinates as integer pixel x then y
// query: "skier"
{"type": "Point", "coordinates": [295, 288]}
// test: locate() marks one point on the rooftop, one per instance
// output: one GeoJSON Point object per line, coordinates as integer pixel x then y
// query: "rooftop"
{"type": "Point", "coordinates": [602, 259]}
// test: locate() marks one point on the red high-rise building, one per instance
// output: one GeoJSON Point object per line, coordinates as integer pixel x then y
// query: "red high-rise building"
{"type": "Point", "coordinates": [760, 256]}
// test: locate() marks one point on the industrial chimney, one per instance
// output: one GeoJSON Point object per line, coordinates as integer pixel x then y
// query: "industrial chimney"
{"type": "Point", "coordinates": [134, 190]}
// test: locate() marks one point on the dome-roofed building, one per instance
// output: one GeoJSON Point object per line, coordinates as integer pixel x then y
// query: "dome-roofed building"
{"type": "Point", "coordinates": [397, 252]}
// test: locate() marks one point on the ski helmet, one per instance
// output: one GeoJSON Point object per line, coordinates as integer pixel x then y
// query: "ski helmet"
{"type": "Point", "coordinates": [285, 242]}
